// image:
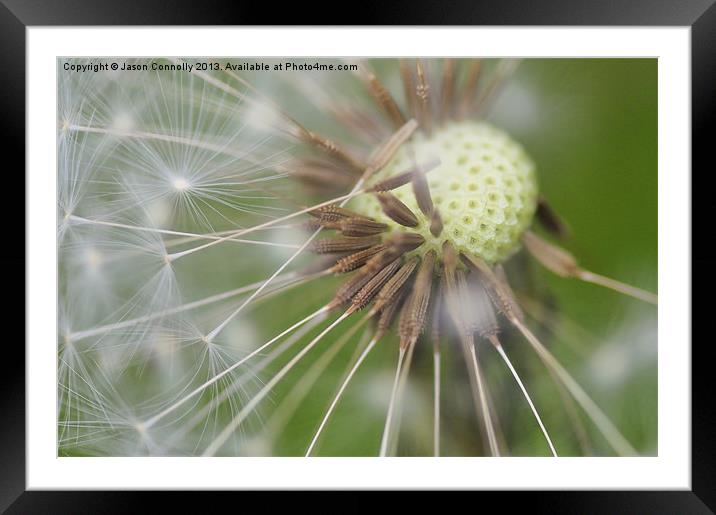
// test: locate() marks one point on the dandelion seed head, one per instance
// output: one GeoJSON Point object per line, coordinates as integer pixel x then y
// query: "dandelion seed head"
{"type": "Point", "coordinates": [183, 200]}
{"type": "Point", "coordinates": [485, 189]}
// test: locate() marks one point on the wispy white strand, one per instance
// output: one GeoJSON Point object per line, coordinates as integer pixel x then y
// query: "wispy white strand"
{"type": "Point", "coordinates": [153, 420]}
{"type": "Point", "coordinates": [484, 405]}
{"type": "Point", "coordinates": [436, 403]}
{"type": "Point", "coordinates": [507, 361]}
{"type": "Point", "coordinates": [249, 407]}
{"type": "Point", "coordinates": [80, 219]}
{"type": "Point", "coordinates": [288, 406]}
{"type": "Point", "coordinates": [123, 324]}
{"type": "Point", "coordinates": [337, 397]}
{"type": "Point", "coordinates": [605, 426]}
{"type": "Point", "coordinates": [240, 382]}
{"type": "Point", "coordinates": [391, 405]}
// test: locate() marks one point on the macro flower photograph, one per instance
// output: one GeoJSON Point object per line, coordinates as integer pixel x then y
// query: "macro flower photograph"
{"type": "Point", "coordinates": [374, 257]}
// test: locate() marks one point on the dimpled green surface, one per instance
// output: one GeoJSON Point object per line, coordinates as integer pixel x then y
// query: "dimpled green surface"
{"type": "Point", "coordinates": [485, 189]}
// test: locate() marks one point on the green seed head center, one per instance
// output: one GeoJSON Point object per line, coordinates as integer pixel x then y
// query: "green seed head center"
{"type": "Point", "coordinates": [485, 189]}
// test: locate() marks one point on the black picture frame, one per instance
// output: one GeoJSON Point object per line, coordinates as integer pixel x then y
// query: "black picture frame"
{"type": "Point", "coordinates": [17, 15]}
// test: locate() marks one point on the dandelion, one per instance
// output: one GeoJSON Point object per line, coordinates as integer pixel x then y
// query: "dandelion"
{"type": "Point", "coordinates": [241, 253]}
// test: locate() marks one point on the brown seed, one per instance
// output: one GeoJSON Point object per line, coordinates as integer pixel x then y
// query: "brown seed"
{"type": "Point", "coordinates": [359, 226]}
{"type": "Point", "coordinates": [448, 88]}
{"type": "Point", "coordinates": [450, 293]}
{"type": "Point", "coordinates": [382, 97]}
{"type": "Point", "coordinates": [393, 287]}
{"type": "Point", "coordinates": [346, 221]}
{"type": "Point", "coordinates": [550, 220]}
{"type": "Point", "coordinates": [421, 190]}
{"type": "Point", "coordinates": [393, 182]}
{"type": "Point", "coordinates": [301, 132]}
{"type": "Point", "coordinates": [437, 314]}
{"type": "Point", "coordinates": [387, 150]}
{"type": "Point", "coordinates": [403, 178]}
{"type": "Point", "coordinates": [381, 259]}
{"type": "Point", "coordinates": [320, 173]}
{"type": "Point", "coordinates": [406, 241]}
{"type": "Point", "coordinates": [406, 76]}
{"type": "Point", "coordinates": [450, 257]}
{"type": "Point", "coordinates": [436, 223]}
{"type": "Point", "coordinates": [413, 315]}
{"type": "Point", "coordinates": [333, 213]}
{"type": "Point", "coordinates": [370, 128]}
{"type": "Point", "coordinates": [343, 244]}
{"type": "Point", "coordinates": [395, 248]}
{"type": "Point", "coordinates": [372, 287]}
{"type": "Point", "coordinates": [353, 285]}
{"type": "Point", "coordinates": [396, 210]}
{"type": "Point", "coordinates": [552, 257]}
{"type": "Point", "coordinates": [388, 312]}
{"type": "Point", "coordinates": [356, 260]}
{"type": "Point", "coordinates": [515, 306]}
{"type": "Point", "coordinates": [313, 224]}
{"type": "Point", "coordinates": [330, 147]}
{"type": "Point", "coordinates": [499, 294]}
{"type": "Point", "coordinates": [563, 263]}
{"type": "Point", "coordinates": [422, 91]}
{"type": "Point", "coordinates": [497, 82]}
{"type": "Point", "coordinates": [325, 263]}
